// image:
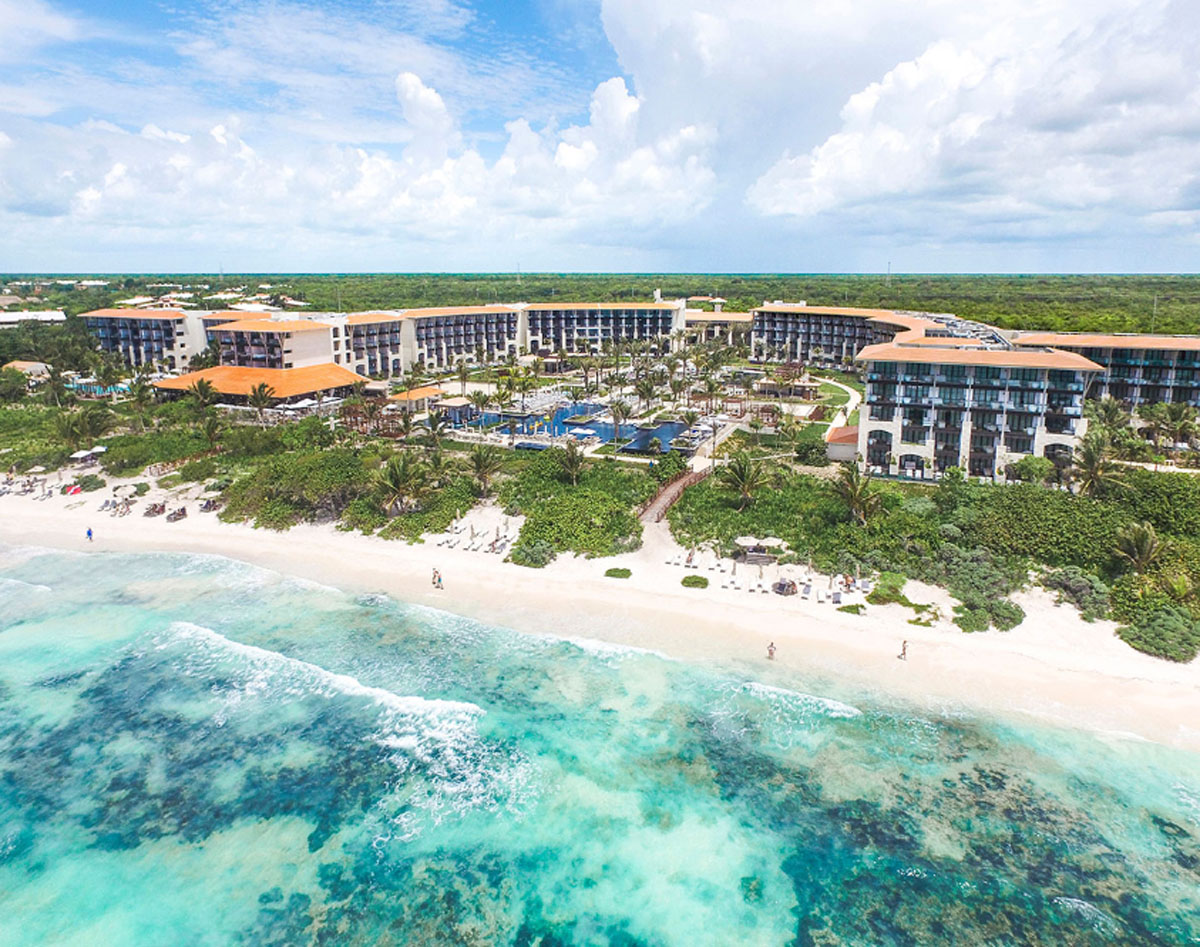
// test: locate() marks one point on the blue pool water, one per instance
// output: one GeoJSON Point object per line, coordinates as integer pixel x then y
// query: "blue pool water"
{"type": "Point", "coordinates": [555, 424]}
{"type": "Point", "coordinates": [197, 751]}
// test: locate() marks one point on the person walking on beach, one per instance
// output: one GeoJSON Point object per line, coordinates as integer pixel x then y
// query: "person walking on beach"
{"type": "Point", "coordinates": [89, 534]}
{"type": "Point", "coordinates": [439, 581]}
{"type": "Point", "coordinates": [434, 578]}
{"type": "Point", "coordinates": [903, 655]}
{"type": "Point", "coordinates": [771, 651]}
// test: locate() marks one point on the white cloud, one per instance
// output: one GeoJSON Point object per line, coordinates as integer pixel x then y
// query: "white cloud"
{"type": "Point", "coordinates": [1065, 119]}
{"type": "Point", "coordinates": [414, 130]}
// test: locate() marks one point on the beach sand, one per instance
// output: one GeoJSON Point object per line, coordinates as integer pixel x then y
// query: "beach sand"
{"type": "Point", "coordinates": [1054, 666]}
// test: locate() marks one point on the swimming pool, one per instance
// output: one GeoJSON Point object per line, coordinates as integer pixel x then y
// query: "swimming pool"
{"type": "Point", "coordinates": [556, 424]}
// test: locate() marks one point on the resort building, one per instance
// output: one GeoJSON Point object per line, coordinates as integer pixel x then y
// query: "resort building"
{"type": "Point", "coordinates": [33, 371]}
{"type": "Point", "coordinates": [1136, 369]}
{"type": "Point", "coordinates": [586, 328]}
{"type": "Point", "coordinates": [274, 343]}
{"type": "Point", "coordinates": [10, 320]}
{"type": "Point", "coordinates": [933, 403]}
{"type": "Point", "coordinates": [718, 324]}
{"type": "Point", "coordinates": [442, 337]}
{"type": "Point", "coordinates": [829, 335]}
{"type": "Point", "coordinates": [167, 337]}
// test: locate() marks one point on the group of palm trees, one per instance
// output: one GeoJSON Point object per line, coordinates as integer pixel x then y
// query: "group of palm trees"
{"type": "Point", "coordinates": [1134, 436]}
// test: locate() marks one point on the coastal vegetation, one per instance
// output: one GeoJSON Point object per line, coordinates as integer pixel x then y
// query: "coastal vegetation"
{"type": "Point", "coordinates": [1127, 549]}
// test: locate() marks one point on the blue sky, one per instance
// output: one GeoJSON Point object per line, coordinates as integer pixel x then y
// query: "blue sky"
{"type": "Point", "coordinates": [683, 135]}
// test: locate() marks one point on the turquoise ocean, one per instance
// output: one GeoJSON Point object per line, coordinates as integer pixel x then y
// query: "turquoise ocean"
{"type": "Point", "coordinates": [195, 751]}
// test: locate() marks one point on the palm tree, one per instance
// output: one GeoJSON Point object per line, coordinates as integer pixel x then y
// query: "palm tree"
{"type": "Point", "coordinates": [371, 409]}
{"type": "Point", "coordinates": [485, 463]}
{"type": "Point", "coordinates": [744, 476]}
{"type": "Point", "coordinates": [1108, 414]}
{"type": "Point", "coordinates": [1140, 546]}
{"type": "Point", "coordinates": [1179, 422]}
{"type": "Point", "coordinates": [712, 388]}
{"type": "Point", "coordinates": [573, 462]}
{"type": "Point", "coordinates": [645, 390]}
{"type": "Point", "coordinates": [463, 373]}
{"type": "Point", "coordinates": [690, 417]}
{"type": "Point", "coordinates": [261, 397]}
{"type": "Point", "coordinates": [479, 401]}
{"type": "Point", "coordinates": [854, 489]}
{"type": "Point", "coordinates": [211, 429]}
{"type": "Point", "coordinates": [66, 426]}
{"type": "Point", "coordinates": [402, 482]}
{"type": "Point", "coordinates": [140, 396]}
{"type": "Point", "coordinates": [203, 392]}
{"type": "Point", "coordinates": [1094, 468]}
{"type": "Point", "coordinates": [109, 375]}
{"type": "Point", "coordinates": [438, 426]}
{"type": "Point", "coordinates": [439, 467]}
{"type": "Point", "coordinates": [404, 425]}
{"type": "Point", "coordinates": [620, 413]}
{"type": "Point", "coordinates": [94, 422]}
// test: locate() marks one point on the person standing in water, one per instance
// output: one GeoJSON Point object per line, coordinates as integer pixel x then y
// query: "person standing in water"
{"type": "Point", "coordinates": [89, 534]}
{"type": "Point", "coordinates": [771, 651]}
{"type": "Point", "coordinates": [903, 655]}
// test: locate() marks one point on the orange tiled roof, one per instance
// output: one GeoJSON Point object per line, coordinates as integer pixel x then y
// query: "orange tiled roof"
{"type": "Point", "coordinates": [621, 305]}
{"type": "Point", "coordinates": [273, 325]}
{"type": "Point", "coordinates": [369, 318]}
{"type": "Point", "coordinates": [842, 435]}
{"type": "Point", "coordinates": [1001, 358]}
{"type": "Point", "coordinates": [417, 394]}
{"type": "Point", "coordinates": [822, 310]}
{"type": "Point", "coordinates": [287, 382]}
{"type": "Point", "coordinates": [134, 314]}
{"type": "Point", "coordinates": [456, 310]}
{"type": "Point", "coordinates": [696, 315]}
{"type": "Point", "coordinates": [1087, 340]}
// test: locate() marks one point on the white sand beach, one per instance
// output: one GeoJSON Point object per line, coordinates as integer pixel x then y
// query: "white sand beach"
{"type": "Point", "coordinates": [1054, 666]}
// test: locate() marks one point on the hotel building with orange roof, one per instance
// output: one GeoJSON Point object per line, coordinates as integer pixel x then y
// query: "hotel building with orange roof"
{"type": "Point", "coordinates": [940, 391]}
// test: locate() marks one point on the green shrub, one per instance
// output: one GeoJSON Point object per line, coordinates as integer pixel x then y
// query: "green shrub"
{"type": "Point", "coordinates": [132, 452]}
{"type": "Point", "coordinates": [246, 441]}
{"type": "Point", "coordinates": [306, 434]}
{"type": "Point", "coordinates": [855, 609]}
{"type": "Point", "coordinates": [694, 582]}
{"type": "Point", "coordinates": [89, 483]}
{"type": "Point", "coordinates": [1085, 591]}
{"type": "Point", "coordinates": [812, 454]}
{"type": "Point", "coordinates": [889, 589]}
{"type": "Point", "coordinates": [294, 487]}
{"type": "Point", "coordinates": [1166, 632]}
{"type": "Point", "coordinates": [197, 470]}
{"type": "Point", "coordinates": [141, 489]}
{"type": "Point", "coordinates": [584, 522]}
{"type": "Point", "coordinates": [446, 505]}
{"type": "Point", "coordinates": [971, 619]}
{"type": "Point", "coordinates": [615, 573]}
{"type": "Point", "coordinates": [277, 514]}
{"type": "Point", "coordinates": [1006, 615]}
{"type": "Point", "coordinates": [670, 465]}
{"type": "Point", "coordinates": [364, 515]}
{"type": "Point", "coordinates": [535, 554]}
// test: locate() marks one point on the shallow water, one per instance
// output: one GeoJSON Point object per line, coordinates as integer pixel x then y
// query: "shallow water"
{"type": "Point", "coordinates": [197, 751]}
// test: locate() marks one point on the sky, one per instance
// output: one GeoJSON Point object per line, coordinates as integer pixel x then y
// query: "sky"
{"type": "Point", "coordinates": [600, 135]}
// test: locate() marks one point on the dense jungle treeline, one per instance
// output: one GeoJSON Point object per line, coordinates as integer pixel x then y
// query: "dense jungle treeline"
{"type": "Point", "coordinates": [1064, 302]}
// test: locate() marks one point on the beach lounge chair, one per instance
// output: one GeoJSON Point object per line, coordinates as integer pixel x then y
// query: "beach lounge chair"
{"type": "Point", "coordinates": [807, 590]}
{"type": "Point", "coordinates": [820, 596]}
{"type": "Point", "coordinates": [837, 598]}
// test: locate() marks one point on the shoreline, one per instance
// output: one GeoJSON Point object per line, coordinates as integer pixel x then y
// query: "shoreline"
{"type": "Point", "coordinates": [1053, 668]}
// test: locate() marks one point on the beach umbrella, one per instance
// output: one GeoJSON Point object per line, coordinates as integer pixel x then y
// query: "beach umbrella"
{"type": "Point", "coordinates": [774, 542]}
{"type": "Point", "coordinates": [99, 450]}
{"type": "Point", "coordinates": [472, 530]}
{"type": "Point", "coordinates": [746, 542]}
{"type": "Point", "coordinates": [37, 470]}
{"type": "Point", "coordinates": [733, 571]}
